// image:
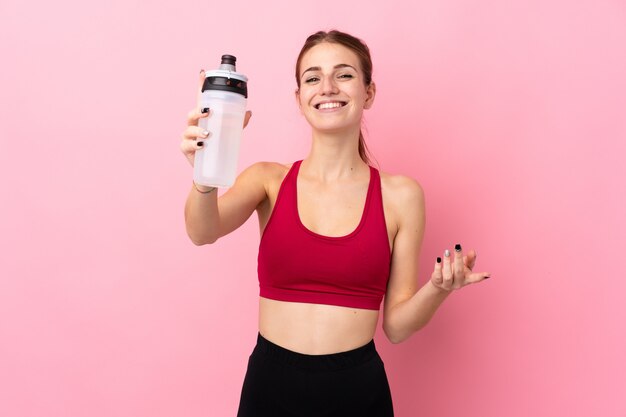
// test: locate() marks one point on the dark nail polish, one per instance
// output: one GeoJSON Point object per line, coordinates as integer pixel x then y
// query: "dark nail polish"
{"type": "Point", "coordinates": [438, 259]}
{"type": "Point", "coordinates": [205, 110]}
{"type": "Point", "coordinates": [201, 71]}
{"type": "Point", "coordinates": [457, 247]}
{"type": "Point", "coordinates": [200, 143]}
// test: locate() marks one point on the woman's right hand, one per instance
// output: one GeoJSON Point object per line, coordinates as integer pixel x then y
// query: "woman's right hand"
{"type": "Point", "coordinates": [193, 135]}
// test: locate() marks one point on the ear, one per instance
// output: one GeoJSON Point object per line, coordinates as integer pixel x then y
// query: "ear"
{"type": "Point", "coordinates": [297, 96]}
{"type": "Point", "coordinates": [371, 94]}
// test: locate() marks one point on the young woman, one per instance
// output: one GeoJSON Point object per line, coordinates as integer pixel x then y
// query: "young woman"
{"type": "Point", "coordinates": [337, 236]}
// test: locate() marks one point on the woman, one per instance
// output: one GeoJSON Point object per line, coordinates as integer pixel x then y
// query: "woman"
{"type": "Point", "coordinates": [336, 237]}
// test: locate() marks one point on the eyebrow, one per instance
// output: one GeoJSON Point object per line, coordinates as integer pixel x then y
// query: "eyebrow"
{"type": "Point", "coordinates": [335, 67]}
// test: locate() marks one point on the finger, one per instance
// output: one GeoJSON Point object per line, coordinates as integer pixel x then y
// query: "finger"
{"type": "Point", "coordinates": [470, 259]}
{"type": "Point", "coordinates": [195, 132]}
{"type": "Point", "coordinates": [201, 77]}
{"type": "Point", "coordinates": [196, 114]}
{"type": "Point", "coordinates": [459, 266]}
{"type": "Point", "coordinates": [448, 276]}
{"type": "Point", "coordinates": [437, 276]}
{"type": "Point", "coordinates": [475, 277]}
{"type": "Point", "coordinates": [200, 83]}
{"type": "Point", "coordinates": [189, 146]}
{"type": "Point", "coordinates": [247, 118]}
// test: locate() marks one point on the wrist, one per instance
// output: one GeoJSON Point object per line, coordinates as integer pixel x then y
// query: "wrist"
{"type": "Point", "coordinates": [203, 189]}
{"type": "Point", "coordinates": [438, 290]}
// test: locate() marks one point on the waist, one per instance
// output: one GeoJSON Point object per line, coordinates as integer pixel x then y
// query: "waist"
{"type": "Point", "coordinates": [322, 362]}
{"type": "Point", "coordinates": [315, 328]}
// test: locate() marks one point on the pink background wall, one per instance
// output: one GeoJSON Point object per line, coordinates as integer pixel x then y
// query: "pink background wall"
{"type": "Point", "coordinates": [510, 114]}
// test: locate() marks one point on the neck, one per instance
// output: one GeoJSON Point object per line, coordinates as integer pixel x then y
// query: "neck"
{"type": "Point", "coordinates": [335, 155]}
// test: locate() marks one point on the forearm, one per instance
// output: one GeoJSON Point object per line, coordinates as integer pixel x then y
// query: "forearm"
{"type": "Point", "coordinates": [407, 317]}
{"type": "Point", "coordinates": [202, 215]}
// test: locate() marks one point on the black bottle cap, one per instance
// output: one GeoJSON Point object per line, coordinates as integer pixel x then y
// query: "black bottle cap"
{"type": "Point", "coordinates": [228, 60]}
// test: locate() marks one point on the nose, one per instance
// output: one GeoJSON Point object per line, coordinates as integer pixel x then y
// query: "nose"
{"type": "Point", "coordinates": [328, 86]}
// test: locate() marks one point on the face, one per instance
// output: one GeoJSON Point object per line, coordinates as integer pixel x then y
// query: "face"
{"type": "Point", "coordinates": [332, 93]}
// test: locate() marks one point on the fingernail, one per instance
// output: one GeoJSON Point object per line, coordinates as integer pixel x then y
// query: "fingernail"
{"type": "Point", "coordinates": [205, 110]}
{"type": "Point", "coordinates": [487, 276]}
{"type": "Point", "coordinates": [438, 259]}
{"type": "Point", "coordinates": [446, 253]}
{"type": "Point", "coordinates": [201, 71]}
{"type": "Point", "coordinates": [205, 133]}
{"type": "Point", "coordinates": [457, 247]}
{"type": "Point", "coordinates": [200, 143]}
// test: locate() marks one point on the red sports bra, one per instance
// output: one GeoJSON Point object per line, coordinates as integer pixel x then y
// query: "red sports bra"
{"type": "Point", "coordinates": [297, 264]}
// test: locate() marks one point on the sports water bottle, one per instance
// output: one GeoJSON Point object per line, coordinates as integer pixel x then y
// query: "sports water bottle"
{"type": "Point", "coordinates": [224, 92]}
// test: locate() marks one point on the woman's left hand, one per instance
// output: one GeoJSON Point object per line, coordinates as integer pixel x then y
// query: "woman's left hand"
{"type": "Point", "coordinates": [452, 274]}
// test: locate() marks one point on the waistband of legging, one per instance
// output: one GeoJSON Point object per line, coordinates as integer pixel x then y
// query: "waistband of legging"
{"type": "Point", "coordinates": [325, 362]}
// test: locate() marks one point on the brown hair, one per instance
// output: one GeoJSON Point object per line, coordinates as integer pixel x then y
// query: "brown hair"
{"type": "Point", "coordinates": [361, 50]}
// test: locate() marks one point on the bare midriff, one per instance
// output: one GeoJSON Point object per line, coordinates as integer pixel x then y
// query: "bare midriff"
{"type": "Point", "coordinates": [315, 329]}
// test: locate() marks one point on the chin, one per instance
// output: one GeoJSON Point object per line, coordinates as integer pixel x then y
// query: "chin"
{"type": "Point", "coordinates": [328, 126]}
{"type": "Point", "coordinates": [334, 128]}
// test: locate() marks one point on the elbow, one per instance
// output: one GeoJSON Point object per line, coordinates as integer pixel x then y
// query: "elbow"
{"type": "Point", "coordinates": [393, 335]}
{"type": "Point", "coordinates": [398, 333]}
{"type": "Point", "coordinates": [393, 339]}
{"type": "Point", "coordinates": [200, 233]}
{"type": "Point", "coordinates": [199, 240]}
{"type": "Point", "coordinates": [391, 326]}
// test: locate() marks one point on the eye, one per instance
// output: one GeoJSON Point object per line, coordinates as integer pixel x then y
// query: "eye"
{"type": "Point", "coordinates": [346, 76]}
{"type": "Point", "coordinates": [311, 80]}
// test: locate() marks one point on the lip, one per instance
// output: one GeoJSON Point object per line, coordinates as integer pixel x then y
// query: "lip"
{"type": "Point", "coordinates": [343, 104]}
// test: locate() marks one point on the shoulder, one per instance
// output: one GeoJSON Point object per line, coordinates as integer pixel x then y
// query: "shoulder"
{"type": "Point", "coordinates": [401, 189]}
{"type": "Point", "coordinates": [265, 175]}
{"type": "Point", "coordinates": [403, 200]}
{"type": "Point", "coordinates": [256, 183]}
{"type": "Point", "coordinates": [265, 171]}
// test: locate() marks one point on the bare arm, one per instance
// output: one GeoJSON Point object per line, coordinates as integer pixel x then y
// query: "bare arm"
{"type": "Point", "coordinates": [406, 308]}
{"type": "Point", "coordinates": [209, 217]}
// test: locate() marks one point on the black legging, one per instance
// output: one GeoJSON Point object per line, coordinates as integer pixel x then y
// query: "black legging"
{"type": "Point", "coordinates": [283, 383]}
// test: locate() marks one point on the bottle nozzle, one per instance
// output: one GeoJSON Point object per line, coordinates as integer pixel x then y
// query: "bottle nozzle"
{"type": "Point", "coordinates": [228, 63]}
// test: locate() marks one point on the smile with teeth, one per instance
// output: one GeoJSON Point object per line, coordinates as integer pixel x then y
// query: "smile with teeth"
{"type": "Point", "coordinates": [330, 105]}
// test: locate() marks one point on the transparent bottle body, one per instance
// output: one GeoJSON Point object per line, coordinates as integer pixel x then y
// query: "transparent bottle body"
{"type": "Point", "coordinates": [215, 164]}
